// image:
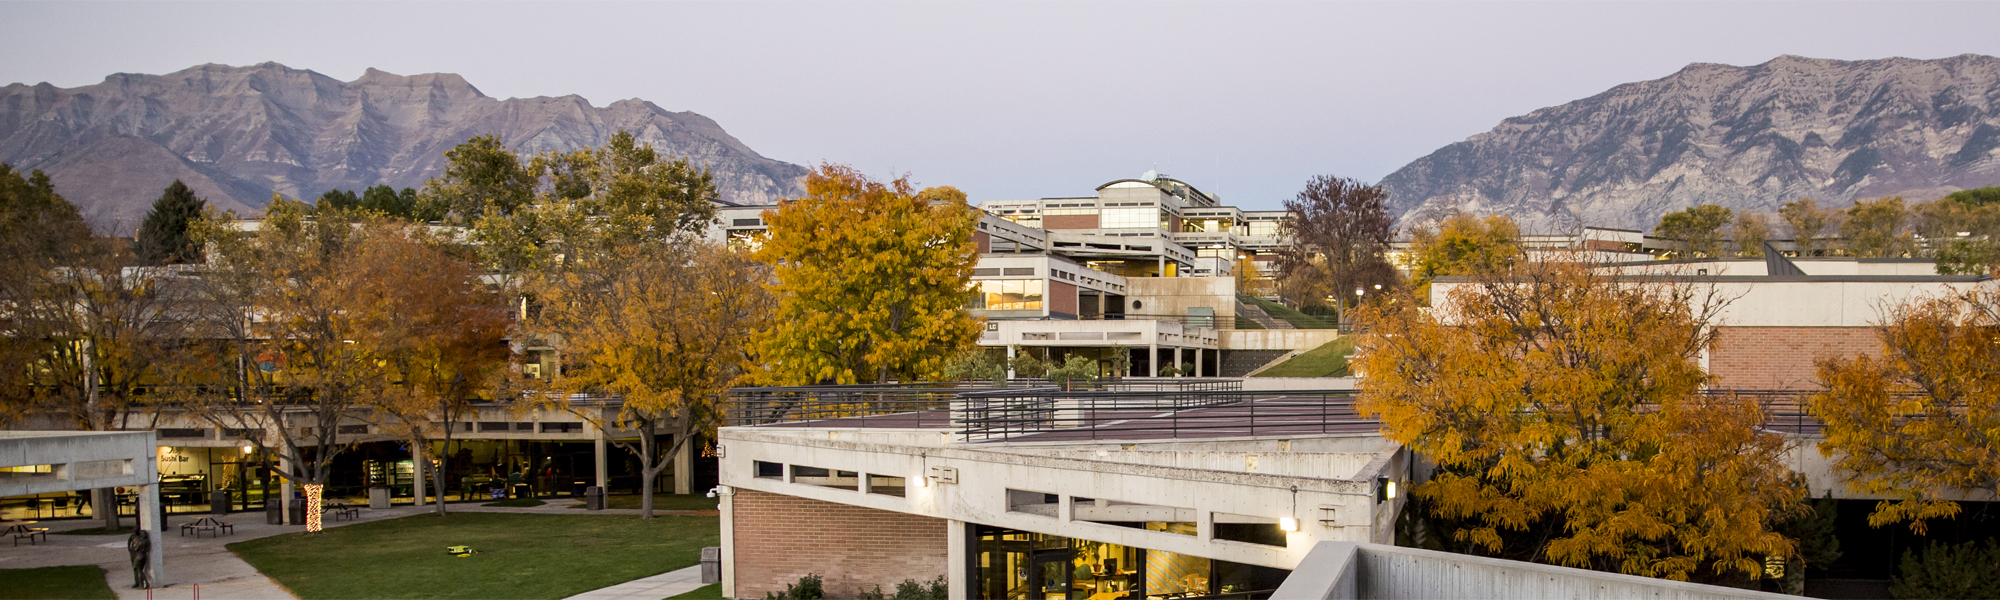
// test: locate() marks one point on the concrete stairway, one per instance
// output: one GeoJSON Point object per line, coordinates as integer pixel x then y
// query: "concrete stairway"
{"type": "Point", "coordinates": [1256, 313]}
{"type": "Point", "coordinates": [1237, 363]}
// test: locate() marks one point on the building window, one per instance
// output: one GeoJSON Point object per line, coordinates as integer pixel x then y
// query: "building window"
{"type": "Point", "coordinates": [1010, 294]}
{"type": "Point", "coordinates": [1263, 229]}
{"type": "Point", "coordinates": [1123, 218]}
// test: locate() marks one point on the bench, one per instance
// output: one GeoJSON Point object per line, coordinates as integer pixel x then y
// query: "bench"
{"type": "Point", "coordinates": [24, 532]}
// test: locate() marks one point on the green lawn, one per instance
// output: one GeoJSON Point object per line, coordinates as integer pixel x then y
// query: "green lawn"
{"type": "Point", "coordinates": [662, 502]}
{"type": "Point", "coordinates": [1328, 360]}
{"type": "Point", "coordinates": [1296, 318]}
{"type": "Point", "coordinates": [515, 555]}
{"type": "Point", "coordinates": [711, 591]}
{"type": "Point", "coordinates": [55, 583]}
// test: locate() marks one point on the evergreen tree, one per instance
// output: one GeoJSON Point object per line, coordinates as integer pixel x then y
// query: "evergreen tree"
{"type": "Point", "coordinates": [340, 200]}
{"type": "Point", "coordinates": [163, 237]}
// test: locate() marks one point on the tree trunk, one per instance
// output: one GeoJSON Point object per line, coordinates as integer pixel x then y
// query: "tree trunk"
{"type": "Point", "coordinates": [437, 474]}
{"type": "Point", "coordinates": [646, 473]}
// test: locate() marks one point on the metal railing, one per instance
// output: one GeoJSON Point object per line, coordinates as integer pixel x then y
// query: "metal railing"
{"type": "Point", "coordinates": [920, 405]}
{"type": "Point", "coordinates": [1066, 415]}
{"type": "Point", "coordinates": [1133, 408]}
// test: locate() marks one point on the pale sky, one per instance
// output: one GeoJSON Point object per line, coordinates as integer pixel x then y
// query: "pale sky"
{"type": "Point", "coordinates": [1019, 99]}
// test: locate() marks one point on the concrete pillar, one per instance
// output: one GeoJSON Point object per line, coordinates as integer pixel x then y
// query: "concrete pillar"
{"type": "Point", "coordinates": [957, 559]}
{"type": "Point", "coordinates": [728, 510]}
{"type": "Point", "coordinates": [1178, 361]}
{"type": "Point", "coordinates": [1010, 361]}
{"type": "Point", "coordinates": [149, 519]}
{"type": "Point", "coordinates": [603, 469]}
{"type": "Point", "coordinates": [418, 464]}
{"type": "Point", "coordinates": [684, 468]}
{"type": "Point", "coordinates": [285, 491]}
{"type": "Point", "coordinates": [1200, 366]}
{"type": "Point", "coordinates": [1153, 359]}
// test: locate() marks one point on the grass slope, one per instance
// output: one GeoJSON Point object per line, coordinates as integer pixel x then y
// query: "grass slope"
{"type": "Point", "coordinates": [516, 555]}
{"type": "Point", "coordinates": [1296, 318]}
{"type": "Point", "coordinates": [55, 583]}
{"type": "Point", "coordinates": [1328, 360]}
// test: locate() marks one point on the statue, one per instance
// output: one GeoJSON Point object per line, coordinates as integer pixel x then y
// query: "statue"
{"type": "Point", "coordinates": [140, 546]}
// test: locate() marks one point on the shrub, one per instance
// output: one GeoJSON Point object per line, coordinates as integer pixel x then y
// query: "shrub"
{"type": "Point", "coordinates": [1949, 571]}
{"type": "Point", "coordinates": [808, 588]}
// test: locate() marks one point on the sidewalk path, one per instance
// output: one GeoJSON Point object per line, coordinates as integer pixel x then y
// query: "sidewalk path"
{"type": "Point", "coordinates": [222, 575]}
{"type": "Point", "coordinates": [664, 585]}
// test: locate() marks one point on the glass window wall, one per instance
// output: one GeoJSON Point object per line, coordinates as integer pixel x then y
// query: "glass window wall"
{"type": "Point", "coordinates": [1009, 294]}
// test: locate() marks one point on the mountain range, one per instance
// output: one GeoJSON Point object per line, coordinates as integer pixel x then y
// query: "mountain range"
{"type": "Point", "coordinates": [239, 134]}
{"type": "Point", "coordinates": [1748, 138]}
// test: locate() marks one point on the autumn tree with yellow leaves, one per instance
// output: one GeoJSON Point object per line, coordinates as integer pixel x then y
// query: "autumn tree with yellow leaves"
{"type": "Point", "coordinates": [872, 281]}
{"type": "Point", "coordinates": [1918, 421]}
{"type": "Point", "coordinates": [666, 328]}
{"type": "Point", "coordinates": [438, 332]}
{"type": "Point", "coordinates": [1462, 245]}
{"type": "Point", "coordinates": [1565, 411]}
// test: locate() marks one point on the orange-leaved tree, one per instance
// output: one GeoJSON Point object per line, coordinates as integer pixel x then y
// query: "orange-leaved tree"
{"type": "Point", "coordinates": [1919, 422]}
{"type": "Point", "coordinates": [872, 281]}
{"type": "Point", "coordinates": [1565, 411]}
{"type": "Point", "coordinates": [440, 333]}
{"type": "Point", "coordinates": [664, 327]}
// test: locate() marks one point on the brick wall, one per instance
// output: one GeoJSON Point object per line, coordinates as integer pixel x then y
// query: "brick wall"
{"type": "Point", "coordinates": [1052, 222]}
{"type": "Point", "coordinates": [1770, 358]}
{"type": "Point", "coordinates": [1062, 297]}
{"type": "Point", "coordinates": [983, 240]}
{"type": "Point", "coordinates": [781, 538]}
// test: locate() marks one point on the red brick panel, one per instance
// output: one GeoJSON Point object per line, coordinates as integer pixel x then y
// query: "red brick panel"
{"type": "Point", "coordinates": [1781, 358]}
{"type": "Point", "coordinates": [983, 240]}
{"type": "Point", "coordinates": [1069, 222]}
{"type": "Point", "coordinates": [1062, 297]}
{"type": "Point", "coordinates": [781, 538]}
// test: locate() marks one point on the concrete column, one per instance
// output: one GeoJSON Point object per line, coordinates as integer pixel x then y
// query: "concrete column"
{"type": "Point", "coordinates": [603, 469]}
{"type": "Point", "coordinates": [684, 468]}
{"type": "Point", "coordinates": [149, 519]}
{"type": "Point", "coordinates": [958, 558]}
{"type": "Point", "coordinates": [1200, 366]}
{"type": "Point", "coordinates": [728, 510]}
{"type": "Point", "coordinates": [419, 463]}
{"type": "Point", "coordinates": [1178, 361]}
{"type": "Point", "coordinates": [1010, 361]}
{"type": "Point", "coordinates": [285, 491]}
{"type": "Point", "coordinates": [1153, 359]}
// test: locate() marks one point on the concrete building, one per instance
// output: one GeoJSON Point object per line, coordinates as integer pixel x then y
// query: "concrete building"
{"type": "Point", "coordinates": [1145, 267]}
{"type": "Point", "coordinates": [1007, 492]}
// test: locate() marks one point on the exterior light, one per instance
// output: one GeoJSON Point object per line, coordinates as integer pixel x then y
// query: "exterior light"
{"type": "Point", "coordinates": [1391, 491]}
{"type": "Point", "coordinates": [1288, 524]}
{"type": "Point", "coordinates": [1378, 286]}
{"type": "Point", "coordinates": [248, 448]}
{"type": "Point", "coordinates": [923, 482]}
{"type": "Point", "coordinates": [1357, 291]}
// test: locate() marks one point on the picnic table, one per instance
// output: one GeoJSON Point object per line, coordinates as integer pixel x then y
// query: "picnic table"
{"type": "Point", "coordinates": [22, 531]}
{"type": "Point", "coordinates": [213, 526]}
{"type": "Point", "coordinates": [342, 510]}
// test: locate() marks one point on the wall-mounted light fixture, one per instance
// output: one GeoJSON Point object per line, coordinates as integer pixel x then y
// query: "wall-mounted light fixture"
{"type": "Point", "coordinates": [1288, 524]}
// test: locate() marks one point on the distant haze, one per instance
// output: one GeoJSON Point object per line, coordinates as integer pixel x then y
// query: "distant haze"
{"type": "Point", "coordinates": [1017, 100]}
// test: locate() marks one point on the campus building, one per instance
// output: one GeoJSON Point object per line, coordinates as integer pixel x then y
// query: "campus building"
{"type": "Point", "coordinates": [1145, 267]}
